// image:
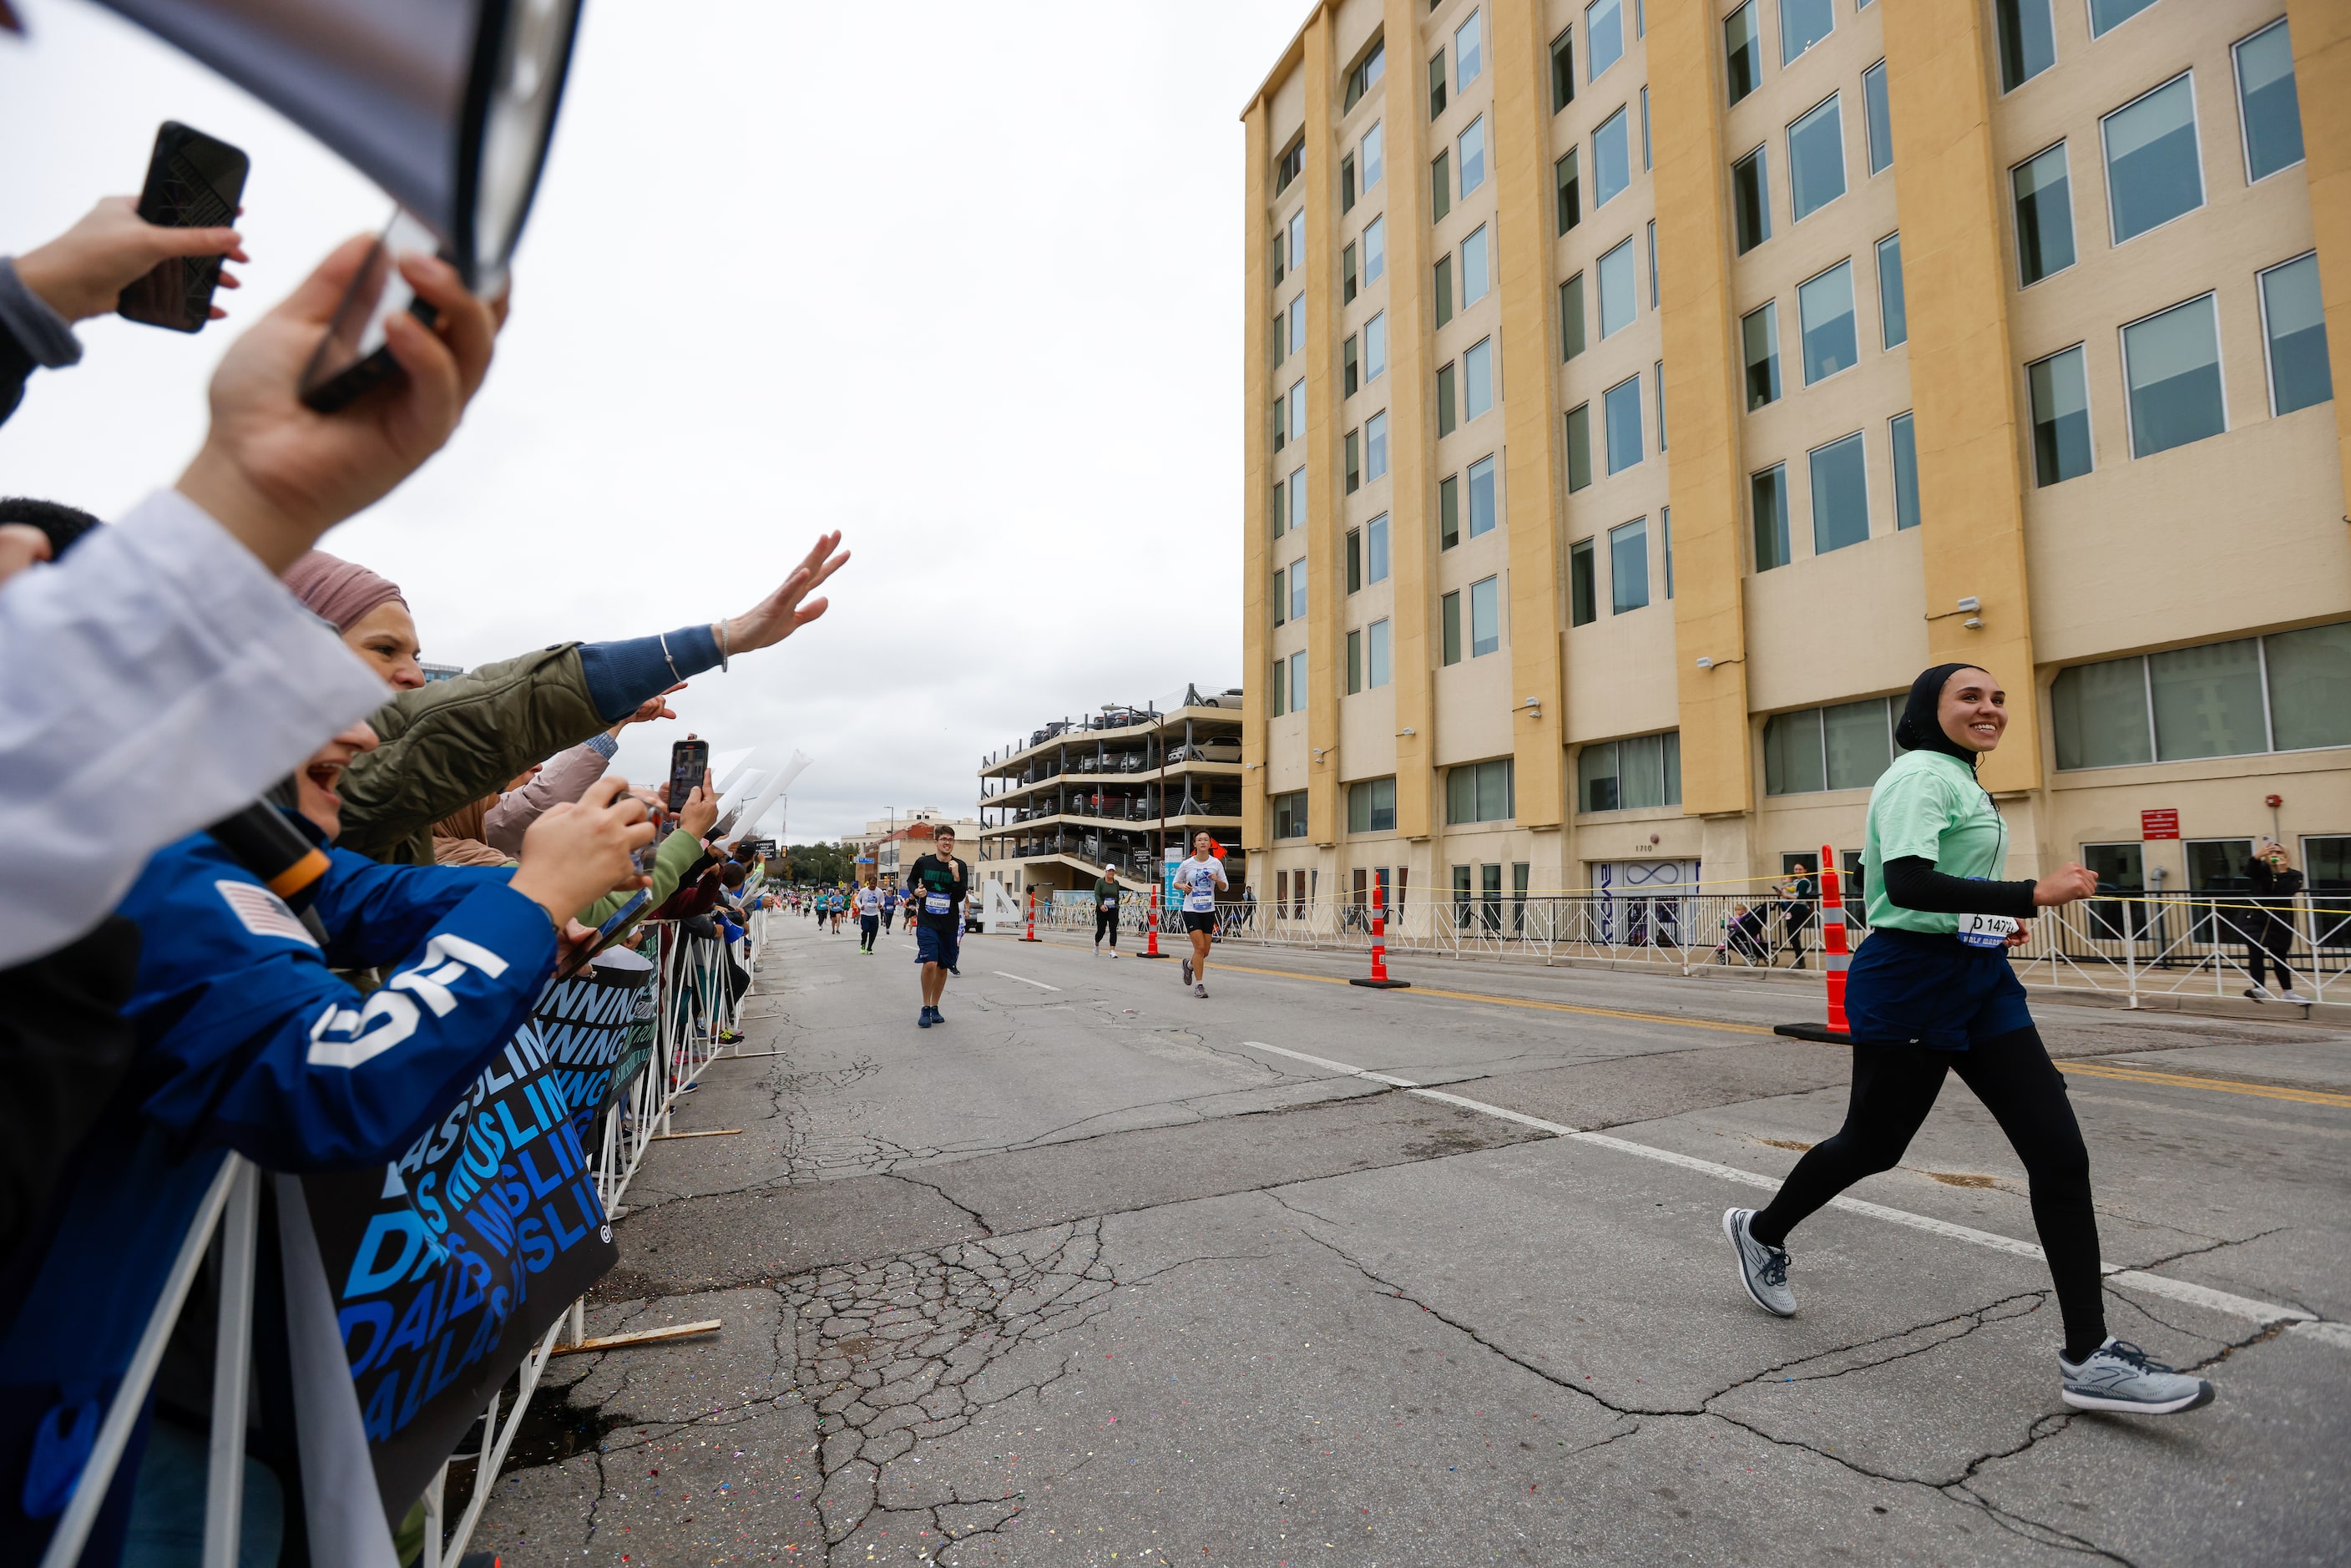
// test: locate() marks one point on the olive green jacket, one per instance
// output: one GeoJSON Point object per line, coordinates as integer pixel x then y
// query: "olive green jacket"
{"type": "Point", "coordinates": [449, 743]}
{"type": "Point", "coordinates": [677, 851]}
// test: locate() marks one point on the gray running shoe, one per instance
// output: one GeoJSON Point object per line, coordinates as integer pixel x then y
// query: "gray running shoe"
{"type": "Point", "coordinates": [1187, 971]}
{"type": "Point", "coordinates": [1762, 1270]}
{"type": "Point", "coordinates": [1200, 990]}
{"type": "Point", "coordinates": [2118, 1375]}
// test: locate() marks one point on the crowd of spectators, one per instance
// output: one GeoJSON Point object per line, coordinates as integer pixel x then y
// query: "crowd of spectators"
{"type": "Point", "coordinates": [167, 993]}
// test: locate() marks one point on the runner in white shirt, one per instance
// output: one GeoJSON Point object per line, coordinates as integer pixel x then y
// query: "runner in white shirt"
{"type": "Point", "coordinates": [869, 915]}
{"type": "Point", "coordinates": [1197, 882]}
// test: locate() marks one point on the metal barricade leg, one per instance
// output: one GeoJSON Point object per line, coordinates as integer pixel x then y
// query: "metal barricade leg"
{"type": "Point", "coordinates": [231, 1358]}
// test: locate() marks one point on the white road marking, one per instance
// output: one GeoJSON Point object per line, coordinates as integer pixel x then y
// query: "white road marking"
{"type": "Point", "coordinates": [1027, 981]}
{"type": "Point", "coordinates": [2264, 1312]}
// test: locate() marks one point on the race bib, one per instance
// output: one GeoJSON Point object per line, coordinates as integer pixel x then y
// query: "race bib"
{"type": "Point", "coordinates": [1986, 930]}
{"type": "Point", "coordinates": [935, 904]}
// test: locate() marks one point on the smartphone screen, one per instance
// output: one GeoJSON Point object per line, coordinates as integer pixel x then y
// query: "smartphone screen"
{"type": "Point", "coordinates": [194, 181]}
{"type": "Point", "coordinates": [688, 760]}
{"type": "Point", "coordinates": [352, 356]}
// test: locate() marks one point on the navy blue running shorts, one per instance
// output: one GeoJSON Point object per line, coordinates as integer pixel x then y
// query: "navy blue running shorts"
{"type": "Point", "coordinates": [1907, 987]}
{"type": "Point", "coordinates": [938, 947]}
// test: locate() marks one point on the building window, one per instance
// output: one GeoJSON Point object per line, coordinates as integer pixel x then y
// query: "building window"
{"type": "Point", "coordinates": [1374, 156]}
{"type": "Point", "coordinates": [1644, 128]}
{"type": "Point", "coordinates": [1628, 567]}
{"type": "Point", "coordinates": [1816, 161]}
{"type": "Point", "coordinates": [1375, 448]}
{"type": "Point", "coordinates": [2294, 326]}
{"type": "Point", "coordinates": [1654, 302]}
{"type": "Point", "coordinates": [1840, 495]}
{"type": "Point", "coordinates": [1483, 512]}
{"type": "Point", "coordinates": [1476, 269]}
{"type": "Point", "coordinates": [1468, 52]}
{"type": "Point", "coordinates": [1297, 325]}
{"type": "Point", "coordinates": [1366, 76]}
{"type": "Point", "coordinates": [1562, 72]}
{"type": "Point", "coordinates": [1436, 85]}
{"type": "Point", "coordinates": [1579, 448]}
{"type": "Point", "coordinates": [2044, 215]}
{"type": "Point", "coordinates": [1280, 681]}
{"type": "Point", "coordinates": [2060, 417]}
{"type": "Point", "coordinates": [1750, 199]}
{"type": "Point", "coordinates": [1354, 460]}
{"type": "Point", "coordinates": [1297, 409]}
{"type": "Point", "coordinates": [1665, 540]}
{"type": "Point", "coordinates": [1478, 379]}
{"type": "Point", "coordinates": [1450, 609]}
{"type": "Point", "coordinates": [1471, 145]}
{"type": "Point", "coordinates": [1347, 273]}
{"type": "Point", "coordinates": [1298, 679]}
{"type": "Point", "coordinates": [1375, 549]}
{"type": "Point", "coordinates": [1878, 119]}
{"type": "Point", "coordinates": [2266, 102]}
{"type": "Point", "coordinates": [1604, 36]}
{"type": "Point", "coordinates": [1482, 792]}
{"type": "Point", "coordinates": [1298, 589]}
{"type": "Point", "coordinates": [1618, 301]}
{"type": "Point", "coordinates": [1281, 512]}
{"type": "Point", "coordinates": [1448, 511]}
{"type": "Point", "coordinates": [2171, 364]}
{"type": "Point", "coordinates": [1630, 775]}
{"type": "Point", "coordinates": [1611, 160]}
{"type": "Point", "coordinates": [1621, 406]}
{"type": "Point", "coordinates": [2287, 691]}
{"type": "Point", "coordinates": [1291, 164]}
{"type": "Point", "coordinates": [1281, 595]}
{"type": "Point", "coordinates": [2106, 14]}
{"type": "Point", "coordinates": [1290, 815]}
{"type": "Point", "coordinates": [1742, 49]}
{"type": "Point", "coordinates": [1583, 585]}
{"type": "Point", "coordinates": [1845, 747]}
{"type": "Point", "coordinates": [1354, 561]}
{"type": "Point", "coordinates": [1347, 182]}
{"type": "Point", "coordinates": [1370, 806]}
{"type": "Point", "coordinates": [1440, 187]}
{"type": "Point", "coordinates": [1905, 442]}
{"type": "Point", "coordinates": [1893, 316]}
{"type": "Point", "coordinates": [1354, 662]}
{"type": "Point", "coordinates": [1375, 250]}
{"type": "Point", "coordinates": [2028, 43]}
{"type": "Point", "coordinates": [1350, 369]}
{"type": "Point", "coordinates": [1760, 331]}
{"type": "Point", "coordinates": [2153, 172]}
{"type": "Point", "coordinates": [1375, 341]}
{"type": "Point", "coordinates": [1802, 23]}
{"type": "Point", "coordinates": [1660, 369]}
{"type": "Point", "coordinates": [1485, 617]}
{"type": "Point", "coordinates": [1824, 310]}
{"type": "Point", "coordinates": [1569, 176]}
{"type": "Point", "coordinates": [1298, 500]}
{"type": "Point", "coordinates": [1445, 410]}
{"type": "Point", "coordinates": [1571, 318]}
{"type": "Point", "coordinates": [1375, 654]}
{"type": "Point", "coordinates": [1443, 288]}
{"type": "Point", "coordinates": [1767, 496]}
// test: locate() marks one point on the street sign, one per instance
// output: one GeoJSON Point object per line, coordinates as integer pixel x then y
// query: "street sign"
{"type": "Point", "coordinates": [2163, 823]}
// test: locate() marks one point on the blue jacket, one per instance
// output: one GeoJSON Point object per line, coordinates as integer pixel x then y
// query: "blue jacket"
{"type": "Point", "coordinates": [248, 1041]}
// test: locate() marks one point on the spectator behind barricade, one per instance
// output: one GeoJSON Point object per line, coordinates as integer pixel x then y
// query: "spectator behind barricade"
{"type": "Point", "coordinates": [249, 1040]}
{"type": "Point", "coordinates": [453, 742]}
{"type": "Point", "coordinates": [161, 677]}
{"type": "Point", "coordinates": [680, 856]}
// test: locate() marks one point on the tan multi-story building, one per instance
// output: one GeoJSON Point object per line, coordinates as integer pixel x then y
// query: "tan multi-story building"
{"type": "Point", "coordinates": [1640, 393]}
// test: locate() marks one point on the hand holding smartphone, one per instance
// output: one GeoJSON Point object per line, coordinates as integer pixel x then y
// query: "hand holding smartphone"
{"type": "Point", "coordinates": [194, 181]}
{"type": "Point", "coordinates": [688, 760]}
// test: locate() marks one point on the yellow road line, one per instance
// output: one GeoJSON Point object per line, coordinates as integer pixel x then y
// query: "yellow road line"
{"type": "Point", "coordinates": [2126, 1074]}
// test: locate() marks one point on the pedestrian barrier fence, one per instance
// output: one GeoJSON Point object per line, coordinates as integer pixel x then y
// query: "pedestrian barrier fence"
{"type": "Point", "coordinates": [697, 991]}
{"type": "Point", "coordinates": [2135, 946]}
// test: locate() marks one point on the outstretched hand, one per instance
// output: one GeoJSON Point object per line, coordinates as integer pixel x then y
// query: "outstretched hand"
{"type": "Point", "coordinates": [782, 613]}
{"type": "Point", "coordinates": [83, 272]}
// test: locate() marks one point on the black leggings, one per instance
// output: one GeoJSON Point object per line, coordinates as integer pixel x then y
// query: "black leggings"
{"type": "Point", "coordinates": [1894, 1087]}
{"type": "Point", "coordinates": [868, 927]}
{"type": "Point", "coordinates": [1106, 919]}
{"type": "Point", "coordinates": [2268, 938]}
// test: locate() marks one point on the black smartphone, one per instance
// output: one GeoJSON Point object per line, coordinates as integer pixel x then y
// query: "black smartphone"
{"type": "Point", "coordinates": [351, 358]}
{"type": "Point", "coordinates": [585, 954]}
{"type": "Point", "coordinates": [688, 760]}
{"type": "Point", "coordinates": [194, 181]}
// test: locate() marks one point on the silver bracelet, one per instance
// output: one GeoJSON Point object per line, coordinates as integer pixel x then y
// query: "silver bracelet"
{"type": "Point", "coordinates": [722, 639]}
{"type": "Point", "coordinates": [665, 655]}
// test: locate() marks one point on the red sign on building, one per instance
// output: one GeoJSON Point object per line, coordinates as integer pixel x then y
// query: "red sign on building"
{"type": "Point", "coordinates": [2160, 824]}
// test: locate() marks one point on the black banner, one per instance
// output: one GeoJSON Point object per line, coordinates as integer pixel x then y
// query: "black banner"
{"type": "Point", "coordinates": [450, 1265]}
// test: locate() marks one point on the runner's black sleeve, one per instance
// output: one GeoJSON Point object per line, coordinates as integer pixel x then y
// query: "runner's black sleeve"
{"type": "Point", "coordinates": [1912, 883]}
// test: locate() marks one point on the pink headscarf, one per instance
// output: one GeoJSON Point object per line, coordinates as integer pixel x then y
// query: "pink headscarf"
{"type": "Point", "coordinates": [339, 591]}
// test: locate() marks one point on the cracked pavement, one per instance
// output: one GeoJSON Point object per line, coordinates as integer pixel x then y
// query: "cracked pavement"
{"type": "Point", "coordinates": [1086, 1276]}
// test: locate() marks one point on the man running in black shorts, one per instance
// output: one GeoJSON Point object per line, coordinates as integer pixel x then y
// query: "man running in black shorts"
{"type": "Point", "coordinates": [935, 887]}
{"type": "Point", "coordinates": [1197, 882]}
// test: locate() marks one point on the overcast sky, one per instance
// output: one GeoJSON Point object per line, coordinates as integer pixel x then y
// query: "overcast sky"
{"type": "Point", "coordinates": [962, 281]}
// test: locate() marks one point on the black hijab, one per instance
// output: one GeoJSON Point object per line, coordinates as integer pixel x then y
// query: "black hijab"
{"type": "Point", "coordinates": [1921, 729]}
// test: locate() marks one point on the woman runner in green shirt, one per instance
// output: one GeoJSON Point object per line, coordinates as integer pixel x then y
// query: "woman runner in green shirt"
{"type": "Point", "coordinates": [1931, 991]}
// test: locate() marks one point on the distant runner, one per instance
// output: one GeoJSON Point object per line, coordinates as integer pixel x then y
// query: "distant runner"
{"type": "Point", "coordinates": [869, 915]}
{"type": "Point", "coordinates": [1197, 882]}
{"type": "Point", "coordinates": [889, 905]}
{"type": "Point", "coordinates": [935, 893]}
{"type": "Point", "coordinates": [1106, 896]}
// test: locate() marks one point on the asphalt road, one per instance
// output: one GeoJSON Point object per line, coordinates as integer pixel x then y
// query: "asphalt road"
{"type": "Point", "coordinates": [1309, 1274]}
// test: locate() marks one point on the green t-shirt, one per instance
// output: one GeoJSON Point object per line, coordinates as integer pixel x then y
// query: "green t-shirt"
{"type": "Point", "coordinates": [1929, 804]}
{"type": "Point", "coordinates": [1106, 892]}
